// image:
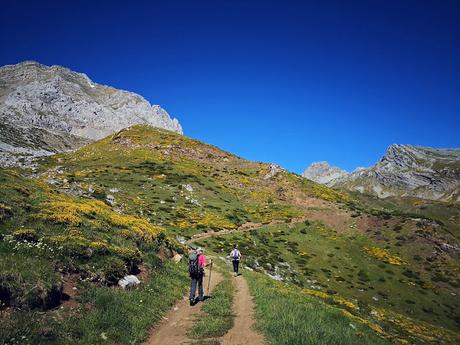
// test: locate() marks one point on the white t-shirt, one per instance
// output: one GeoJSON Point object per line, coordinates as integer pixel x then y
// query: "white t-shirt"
{"type": "Point", "coordinates": [235, 254]}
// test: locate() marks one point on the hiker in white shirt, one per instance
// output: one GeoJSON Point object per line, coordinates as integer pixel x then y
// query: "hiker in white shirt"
{"type": "Point", "coordinates": [235, 255]}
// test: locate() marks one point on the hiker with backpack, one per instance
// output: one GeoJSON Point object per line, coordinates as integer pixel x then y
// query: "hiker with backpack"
{"type": "Point", "coordinates": [235, 255]}
{"type": "Point", "coordinates": [196, 265]}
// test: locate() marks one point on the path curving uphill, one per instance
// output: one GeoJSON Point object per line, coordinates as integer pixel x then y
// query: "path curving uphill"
{"type": "Point", "coordinates": [175, 326]}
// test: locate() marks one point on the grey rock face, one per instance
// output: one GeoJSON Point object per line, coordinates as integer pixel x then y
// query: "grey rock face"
{"type": "Point", "coordinates": [323, 173]}
{"type": "Point", "coordinates": [404, 170]}
{"type": "Point", "coordinates": [55, 101]}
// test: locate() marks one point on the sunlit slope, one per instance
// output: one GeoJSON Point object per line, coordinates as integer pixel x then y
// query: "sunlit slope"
{"type": "Point", "coordinates": [182, 184]}
{"type": "Point", "coordinates": [391, 276]}
{"type": "Point", "coordinates": [122, 205]}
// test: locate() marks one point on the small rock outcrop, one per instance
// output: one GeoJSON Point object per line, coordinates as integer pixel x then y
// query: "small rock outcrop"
{"type": "Point", "coordinates": [274, 170]}
{"type": "Point", "coordinates": [404, 170]}
{"type": "Point", "coordinates": [44, 110]}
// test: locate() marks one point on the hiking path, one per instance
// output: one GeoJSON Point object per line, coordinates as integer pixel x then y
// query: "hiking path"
{"type": "Point", "coordinates": [175, 326]}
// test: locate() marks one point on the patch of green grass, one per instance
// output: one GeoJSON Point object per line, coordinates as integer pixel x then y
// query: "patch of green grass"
{"type": "Point", "coordinates": [288, 317]}
{"type": "Point", "coordinates": [27, 282]}
{"type": "Point", "coordinates": [218, 313]}
{"type": "Point", "coordinates": [320, 259]}
{"type": "Point", "coordinates": [106, 315]}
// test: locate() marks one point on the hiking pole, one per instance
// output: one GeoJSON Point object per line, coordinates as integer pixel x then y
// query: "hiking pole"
{"type": "Point", "coordinates": [209, 280]}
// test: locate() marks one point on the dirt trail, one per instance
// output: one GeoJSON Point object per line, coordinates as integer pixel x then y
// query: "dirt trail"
{"type": "Point", "coordinates": [243, 332]}
{"type": "Point", "coordinates": [242, 228]}
{"type": "Point", "coordinates": [173, 329]}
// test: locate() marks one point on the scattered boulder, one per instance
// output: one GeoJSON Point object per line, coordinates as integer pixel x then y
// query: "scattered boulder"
{"type": "Point", "coordinates": [110, 199]}
{"type": "Point", "coordinates": [177, 257]}
{"type": "Point", "coordinates": [188, 187]}
{"type": "Point", "coordinates": [129, 281]}
{"type": "Point", "coordinates": [181, 239]}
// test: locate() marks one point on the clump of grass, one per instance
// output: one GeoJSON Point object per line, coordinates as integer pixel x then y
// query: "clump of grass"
{"type": "Point", "coordinates": [28, 282]}
{"type": "Point", "coordinates": [288, 317]}
{"type": "Point", "coordinates": [218, 317]}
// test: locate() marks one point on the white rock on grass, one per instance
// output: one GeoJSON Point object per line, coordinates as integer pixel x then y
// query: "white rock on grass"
{"type": "Point", "coordinates": [129, 281]}
{"type": "Point", "coordinates": [188, 187]}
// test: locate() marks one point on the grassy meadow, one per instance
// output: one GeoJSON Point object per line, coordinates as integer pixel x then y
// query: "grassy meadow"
{"type": "Point", "coordinates": [77, 222]}
{"type": "Point", "coordinates": [378, 279]}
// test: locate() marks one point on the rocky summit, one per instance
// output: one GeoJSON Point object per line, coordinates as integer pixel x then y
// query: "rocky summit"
{"type": "Point", "coordinates": [322, 172]}
{"type": "Point", "coordinates": [44, 110]}
{"type": "Point", "coordinates": [404, 170]}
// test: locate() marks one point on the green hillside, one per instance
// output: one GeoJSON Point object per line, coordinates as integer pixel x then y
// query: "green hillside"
{"type": "Point", "coordinates": [78, 222]}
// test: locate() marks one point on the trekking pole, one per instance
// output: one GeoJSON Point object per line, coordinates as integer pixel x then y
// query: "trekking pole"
{"type": "Point", "coordinates": [209, 280]}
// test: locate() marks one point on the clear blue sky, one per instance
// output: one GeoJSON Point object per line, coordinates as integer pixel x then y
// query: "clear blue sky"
{"type": "Point", "coordinates": [289, 82]}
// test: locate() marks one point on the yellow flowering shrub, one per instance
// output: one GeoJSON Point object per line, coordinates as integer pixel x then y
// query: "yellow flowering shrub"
{"type": "Point", "coordinates": [203, 219]}
{"type": "Point", "coordinates": [384, 255]}
{"type": "Point", "coordinates": [80, 245]}
{"type": "Point", "coordinates": [329, 194]}
{"type": "Point", "coordinates": [98, 245]}
{"type": "Point", "coordinates": [266, 214]}
{"type": "Point", "coordinates": [419, 329]}
{"type": "Point", "coordinates": [138, 226]}
{"type": "Point", "coordinates": [133, 255]}
{"type": "Point", "coordinates": [60, 209]}
{"type": "Point", "coordinates": [63, 209]}
{"type": "Point", "coordinates": [5, 211]}
{"type": "Point", "coordinates": [335, 299]}
{"type": "Point", "coordinates": [25, 235]}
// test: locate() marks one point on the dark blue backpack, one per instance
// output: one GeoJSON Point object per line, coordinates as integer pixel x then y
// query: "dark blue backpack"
{"type": "Point", "coordinates": [193, 268]}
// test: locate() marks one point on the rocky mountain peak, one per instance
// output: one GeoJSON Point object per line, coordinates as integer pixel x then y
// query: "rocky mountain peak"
{"type": "Point", "coordinates": [404, 170]}
{"type": "Point", "coordinates": [46, 106]}
{"type": "Point", "coordinates": [324, 173]}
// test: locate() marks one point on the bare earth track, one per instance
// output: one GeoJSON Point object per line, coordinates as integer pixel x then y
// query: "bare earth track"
{"type": "Point", "coordinates": [243, 332]}
{"type": "Point", "coordinates": [177, 323]}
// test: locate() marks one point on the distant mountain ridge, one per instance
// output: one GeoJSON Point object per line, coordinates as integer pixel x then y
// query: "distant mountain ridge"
{"type": "Point", "coordinates": [404, 170]}
{"type": "Point", "coordinates": [46, 109]}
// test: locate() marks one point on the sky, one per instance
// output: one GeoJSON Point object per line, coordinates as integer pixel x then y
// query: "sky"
{"type": "Point", "coordinates": [288, 82]}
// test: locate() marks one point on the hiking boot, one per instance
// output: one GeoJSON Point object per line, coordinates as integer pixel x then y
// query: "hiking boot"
{"type": "Point", "coordinates": [192, 302]}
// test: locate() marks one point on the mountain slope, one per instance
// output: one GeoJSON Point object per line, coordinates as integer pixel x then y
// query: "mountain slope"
{"type": "Point", "coordinates": [124, 204]}
{"type": "Point", "coordinates": [81, 220]}
{"type": "Point", "coordinates": [404, 170]}
{"type": "Point", "coordinates": [39, 103]}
